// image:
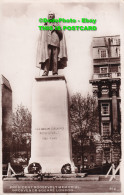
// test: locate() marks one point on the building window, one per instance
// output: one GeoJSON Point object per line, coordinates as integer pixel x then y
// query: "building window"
{"type": "Point", "coordinates": [104, 70]}
{"type": "Point", "coordinates": [115, 41]}
{"type": "Point", "coordinates": [105, 110]}
{"type": "Point", "coordinates": [103, 54]}
{"type": "Point", "coordinates": [105, 91]}
{"type": "Point", "coordinates": [105, 129]}
{"type": "Point", "coordinates": [114, 68]}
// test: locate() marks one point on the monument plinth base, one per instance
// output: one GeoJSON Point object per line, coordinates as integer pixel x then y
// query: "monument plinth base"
{"type": "Point", "coordinates": [51, 139]}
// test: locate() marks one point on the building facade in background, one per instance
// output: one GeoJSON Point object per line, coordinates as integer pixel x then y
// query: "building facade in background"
{"type": "Point", "coordinates": [6, 117]}
{"type": "Point", "coordinates": [106, 81]}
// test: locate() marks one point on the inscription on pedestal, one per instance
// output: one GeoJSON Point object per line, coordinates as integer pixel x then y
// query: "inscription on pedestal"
{"type": "Point", "coordinates": [50, 133]}
{"type": "Point", "coordinates": [51, 141]}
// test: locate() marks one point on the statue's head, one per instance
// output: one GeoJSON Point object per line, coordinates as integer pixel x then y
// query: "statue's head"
{"type": "Point", "coordinates": [51, 15]}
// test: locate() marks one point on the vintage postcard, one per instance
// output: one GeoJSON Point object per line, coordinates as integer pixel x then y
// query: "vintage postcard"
{"type": "Point", "coordinates": [61, 89]}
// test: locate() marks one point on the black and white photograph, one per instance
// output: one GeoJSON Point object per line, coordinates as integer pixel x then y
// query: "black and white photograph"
{"type": "Point", "coordinates": [61, 105]}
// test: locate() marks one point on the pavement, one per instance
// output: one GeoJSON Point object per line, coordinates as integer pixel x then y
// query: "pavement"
{"type": "Point", "coordinates": [63, 177]}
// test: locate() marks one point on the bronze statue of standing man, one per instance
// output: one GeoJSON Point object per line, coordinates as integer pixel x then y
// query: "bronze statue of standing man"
{"type": "Point", "coordinates": [52, 51]}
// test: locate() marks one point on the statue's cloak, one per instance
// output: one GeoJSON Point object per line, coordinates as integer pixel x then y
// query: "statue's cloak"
{"type": "Point", "coordinates": [42, 52]}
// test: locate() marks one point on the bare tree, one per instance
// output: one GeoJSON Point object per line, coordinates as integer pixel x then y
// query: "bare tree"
{"type": "Point", "coordinates": [21, 129]}
{"type": "Point", "coordinates": [84, 121]}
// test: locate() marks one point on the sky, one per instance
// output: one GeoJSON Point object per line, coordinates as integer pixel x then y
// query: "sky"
{"type": "Point", "coordinates": [19, 34]}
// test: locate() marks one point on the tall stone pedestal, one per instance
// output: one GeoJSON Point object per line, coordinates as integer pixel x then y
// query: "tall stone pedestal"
{"type": "Point", "coordinates": [51, 140]}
